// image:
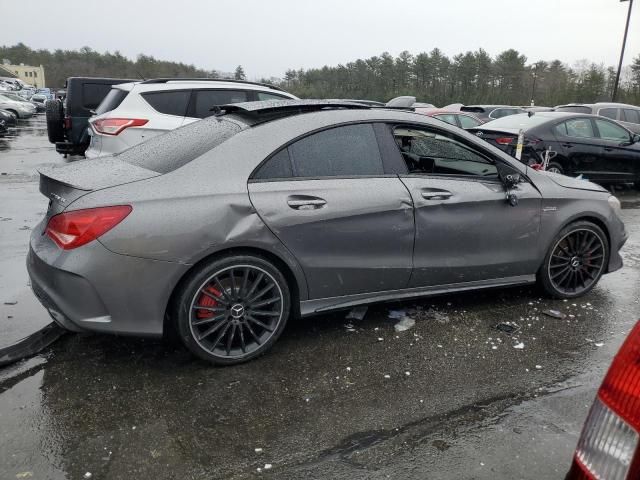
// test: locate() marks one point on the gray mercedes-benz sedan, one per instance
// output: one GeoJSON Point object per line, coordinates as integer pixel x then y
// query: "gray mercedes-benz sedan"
{"type": "Point", "coordinates": [226, 228]}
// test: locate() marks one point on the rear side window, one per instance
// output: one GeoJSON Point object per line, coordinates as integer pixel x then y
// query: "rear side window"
{"type": "Point", "coordinates": [631, 116]}
{"type": "Point", "coordinates": [112, 101]}
{"type": "Point", "coordinates": [171, 103]}
{"type": "Point", "coordinates": [271, 96]}
{"type": "Point", "coordinates": [351, 150]}
{"type": "Point", "coordinates": [578, 127]}
{"type": "Point", "coordinates": [278, 166]}
{"type": "Point", "coordinates": [93, 94]}
{"type": "Point", "coordinates": [342, 151]}
{"type": "Point", "coordinates": [611, 113]}
{"type": "Point", "coordinates": [431, 152]}
{"type": "Point", "coordinates": [205, 100]}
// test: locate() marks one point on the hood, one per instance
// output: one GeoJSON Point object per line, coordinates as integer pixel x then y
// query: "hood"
{"type": "Point", "coordinates": [574, 183]}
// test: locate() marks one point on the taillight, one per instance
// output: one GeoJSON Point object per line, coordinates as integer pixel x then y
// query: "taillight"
{"type": "Point", "coordinates": [75, 228]}
{"type": "Point", "coordinates": [608, 446]}
{"type": "Point", "coordinates": [113, 126]}
{"type": "Point", "coordinates": [504, 140]}
{"type": "Point", "coordinates": [67, 123]}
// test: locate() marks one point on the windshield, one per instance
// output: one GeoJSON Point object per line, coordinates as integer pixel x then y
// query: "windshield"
{"type": "Point", "coordinates": [573, 109]}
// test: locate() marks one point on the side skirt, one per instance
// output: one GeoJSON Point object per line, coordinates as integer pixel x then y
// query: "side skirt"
{"type": "Point", "coordinates": [310, 307]}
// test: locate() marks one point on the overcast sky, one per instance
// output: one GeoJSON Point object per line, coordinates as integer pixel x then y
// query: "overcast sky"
{"type": "Point", "coordinates": [268, 37]}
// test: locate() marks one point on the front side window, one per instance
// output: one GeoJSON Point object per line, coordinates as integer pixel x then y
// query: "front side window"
{"type": "Point", "coordinates": [432, 152]}
{"type": "Point", "coordinates": [207, 99]}
{"type": "Point", "coordinates": [611, 131]}
{"type": "Point", "coordinates": [170, 103]}
{"type": "Point", "coordinates": [468, 122]}
{"type": "Point", "coordinates": [611, 113]}
{"type": "Point", "coordinates": [350, 150]}
{"type": "Point", "coordinates": [577, 127]}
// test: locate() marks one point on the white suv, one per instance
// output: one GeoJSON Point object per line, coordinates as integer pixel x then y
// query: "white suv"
{"type": "Point", "coordinates": [134, 112]}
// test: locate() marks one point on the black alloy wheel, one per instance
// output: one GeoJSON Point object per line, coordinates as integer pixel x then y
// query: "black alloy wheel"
{"type": "Point", "coordinates": [576, 260]}
{"type": "Point", "coordinates": [236, 311]}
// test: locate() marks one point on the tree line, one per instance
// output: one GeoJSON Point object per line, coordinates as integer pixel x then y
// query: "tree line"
{"type": "Point", "coordinates": [471, 77]}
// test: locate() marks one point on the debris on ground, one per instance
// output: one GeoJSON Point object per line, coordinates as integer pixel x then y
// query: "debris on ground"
{"type": "Point", "coordinates": [397, 314]}
{"type": "Point", "coordinates": [267, 466]}
{"type": "Point", "coordinates": [11, 303]}
{"type": "Point", "coordinates": [538, 367]}
{"type": "Point", "coordinates": [554, 314]}
{"type": "Point", "coordinates": [405, 324]}
{"type": "Point", "coordinates": [519, 346]}
{"type": "Point", "coordinates": [387, 377]}
{"type": "Point", "coordinates": [599, 344]}
{"type": "Point", "coordinates": [357, 313]}
{"type": "Point", "coordinates": [258, 450]}
{"type": "Point", "coordinates": [507, 327]}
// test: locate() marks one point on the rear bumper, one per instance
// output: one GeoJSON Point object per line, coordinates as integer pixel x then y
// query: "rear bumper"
{"type": "Point", "coordinates": [68, 148]}
{"type": "Point", "coordinates": [93, 289]}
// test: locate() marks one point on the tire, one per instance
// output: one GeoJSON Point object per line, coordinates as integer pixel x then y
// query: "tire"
{"type": "Point", "coordinates": [555, 167]}
{"type": "Point", "coordinates": [55, 118]}
{"type": "Point", "coordinates": [228, 329]}
{"type": "Point", "coordinates": [577, 257]}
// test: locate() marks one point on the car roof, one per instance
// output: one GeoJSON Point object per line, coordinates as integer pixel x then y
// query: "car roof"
{"type": "Point", "coordinates": [598, 104]}
{"type": "Point", "coordinates": [173, 84]}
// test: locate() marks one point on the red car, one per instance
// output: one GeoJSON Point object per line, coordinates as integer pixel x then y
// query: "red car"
{"type": "Point", "coordinates": [608, 447]}
{"type": "Point", "coordinates": [459, 119]}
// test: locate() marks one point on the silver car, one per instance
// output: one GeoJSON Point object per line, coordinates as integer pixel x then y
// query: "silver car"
{"type": "Point", "coordinates": [226, 228]}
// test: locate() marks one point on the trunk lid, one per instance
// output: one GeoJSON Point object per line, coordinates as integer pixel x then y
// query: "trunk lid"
{"type": "Point", "coordinates": [506, 139]}
{"type": "Point", "coordinates": [63, 185]}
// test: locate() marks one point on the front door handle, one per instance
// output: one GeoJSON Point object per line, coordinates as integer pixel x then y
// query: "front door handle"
{"type": "Point", "coordinates": [567, 145]}
{"type": "Point", "coordinates": [608, 149]}
{"type": "Point", "coordinates": [436, 195]}
{"type": "Point", "coordinates": [302, 202]}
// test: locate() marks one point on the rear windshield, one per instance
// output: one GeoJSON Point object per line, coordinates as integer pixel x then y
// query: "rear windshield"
{"type": "Point", "coordinates": [573, 109]}
{"type": "Point", "coordinates": [521, 120]}
{"type": "Point", "coordinates": [168, 152]}
{"type": "Point", "coordinates": [472, 109]}
{"type": "Point", "coordinates": [112, 101]}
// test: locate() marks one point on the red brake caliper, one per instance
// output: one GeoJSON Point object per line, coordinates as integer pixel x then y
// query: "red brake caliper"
{"type": "Point", "coordinates": [207, 301]}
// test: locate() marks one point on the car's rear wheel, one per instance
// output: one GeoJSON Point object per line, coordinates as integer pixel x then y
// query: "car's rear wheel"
{"type": "Point", "coordinates": [575, 261]}
{"type": "Point", "coordinates": [55, 117]}
{"type": "Point", "coordinates": [233, 309]}
{"type": "Point", "coordinates": [554, 167]}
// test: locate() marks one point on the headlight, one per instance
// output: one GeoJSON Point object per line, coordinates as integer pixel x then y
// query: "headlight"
{"type": "Point", "coordinates": [615, 205]}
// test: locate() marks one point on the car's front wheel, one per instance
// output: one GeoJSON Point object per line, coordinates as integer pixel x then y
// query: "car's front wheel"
{"type": "Point", "coordinates": [576, 260]}
{"type": "Point", "coordinates": [233, 309]}
{"type": "Point", "coordinates": [555, 167]}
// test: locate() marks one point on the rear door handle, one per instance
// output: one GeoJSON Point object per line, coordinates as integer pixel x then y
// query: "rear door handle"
{"type": "Point", "coordinates": [436, 195]}
{"type": "Point", "coordinates": [608, 149]}
{"type": "Point", "coordinates": [567, 145]}
{"type": "Point", "coordinates": [306, 203]}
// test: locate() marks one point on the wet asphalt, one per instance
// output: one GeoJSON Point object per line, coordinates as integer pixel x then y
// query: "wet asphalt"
{"type": "Point", "coordinates": [449, 398]}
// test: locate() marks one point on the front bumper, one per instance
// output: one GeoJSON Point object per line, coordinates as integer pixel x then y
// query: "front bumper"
{"type": "Point", "coordinates": [93, 289]}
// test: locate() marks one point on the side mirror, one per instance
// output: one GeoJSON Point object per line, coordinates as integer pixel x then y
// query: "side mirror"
{"type": "Point", "coordinates": [635, 138]}
{"type": "Point", "coordinates": [511, 180]}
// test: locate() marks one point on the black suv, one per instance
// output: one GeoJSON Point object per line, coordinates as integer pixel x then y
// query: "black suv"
{"type": "Point", "coordinates": [67, 120]}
